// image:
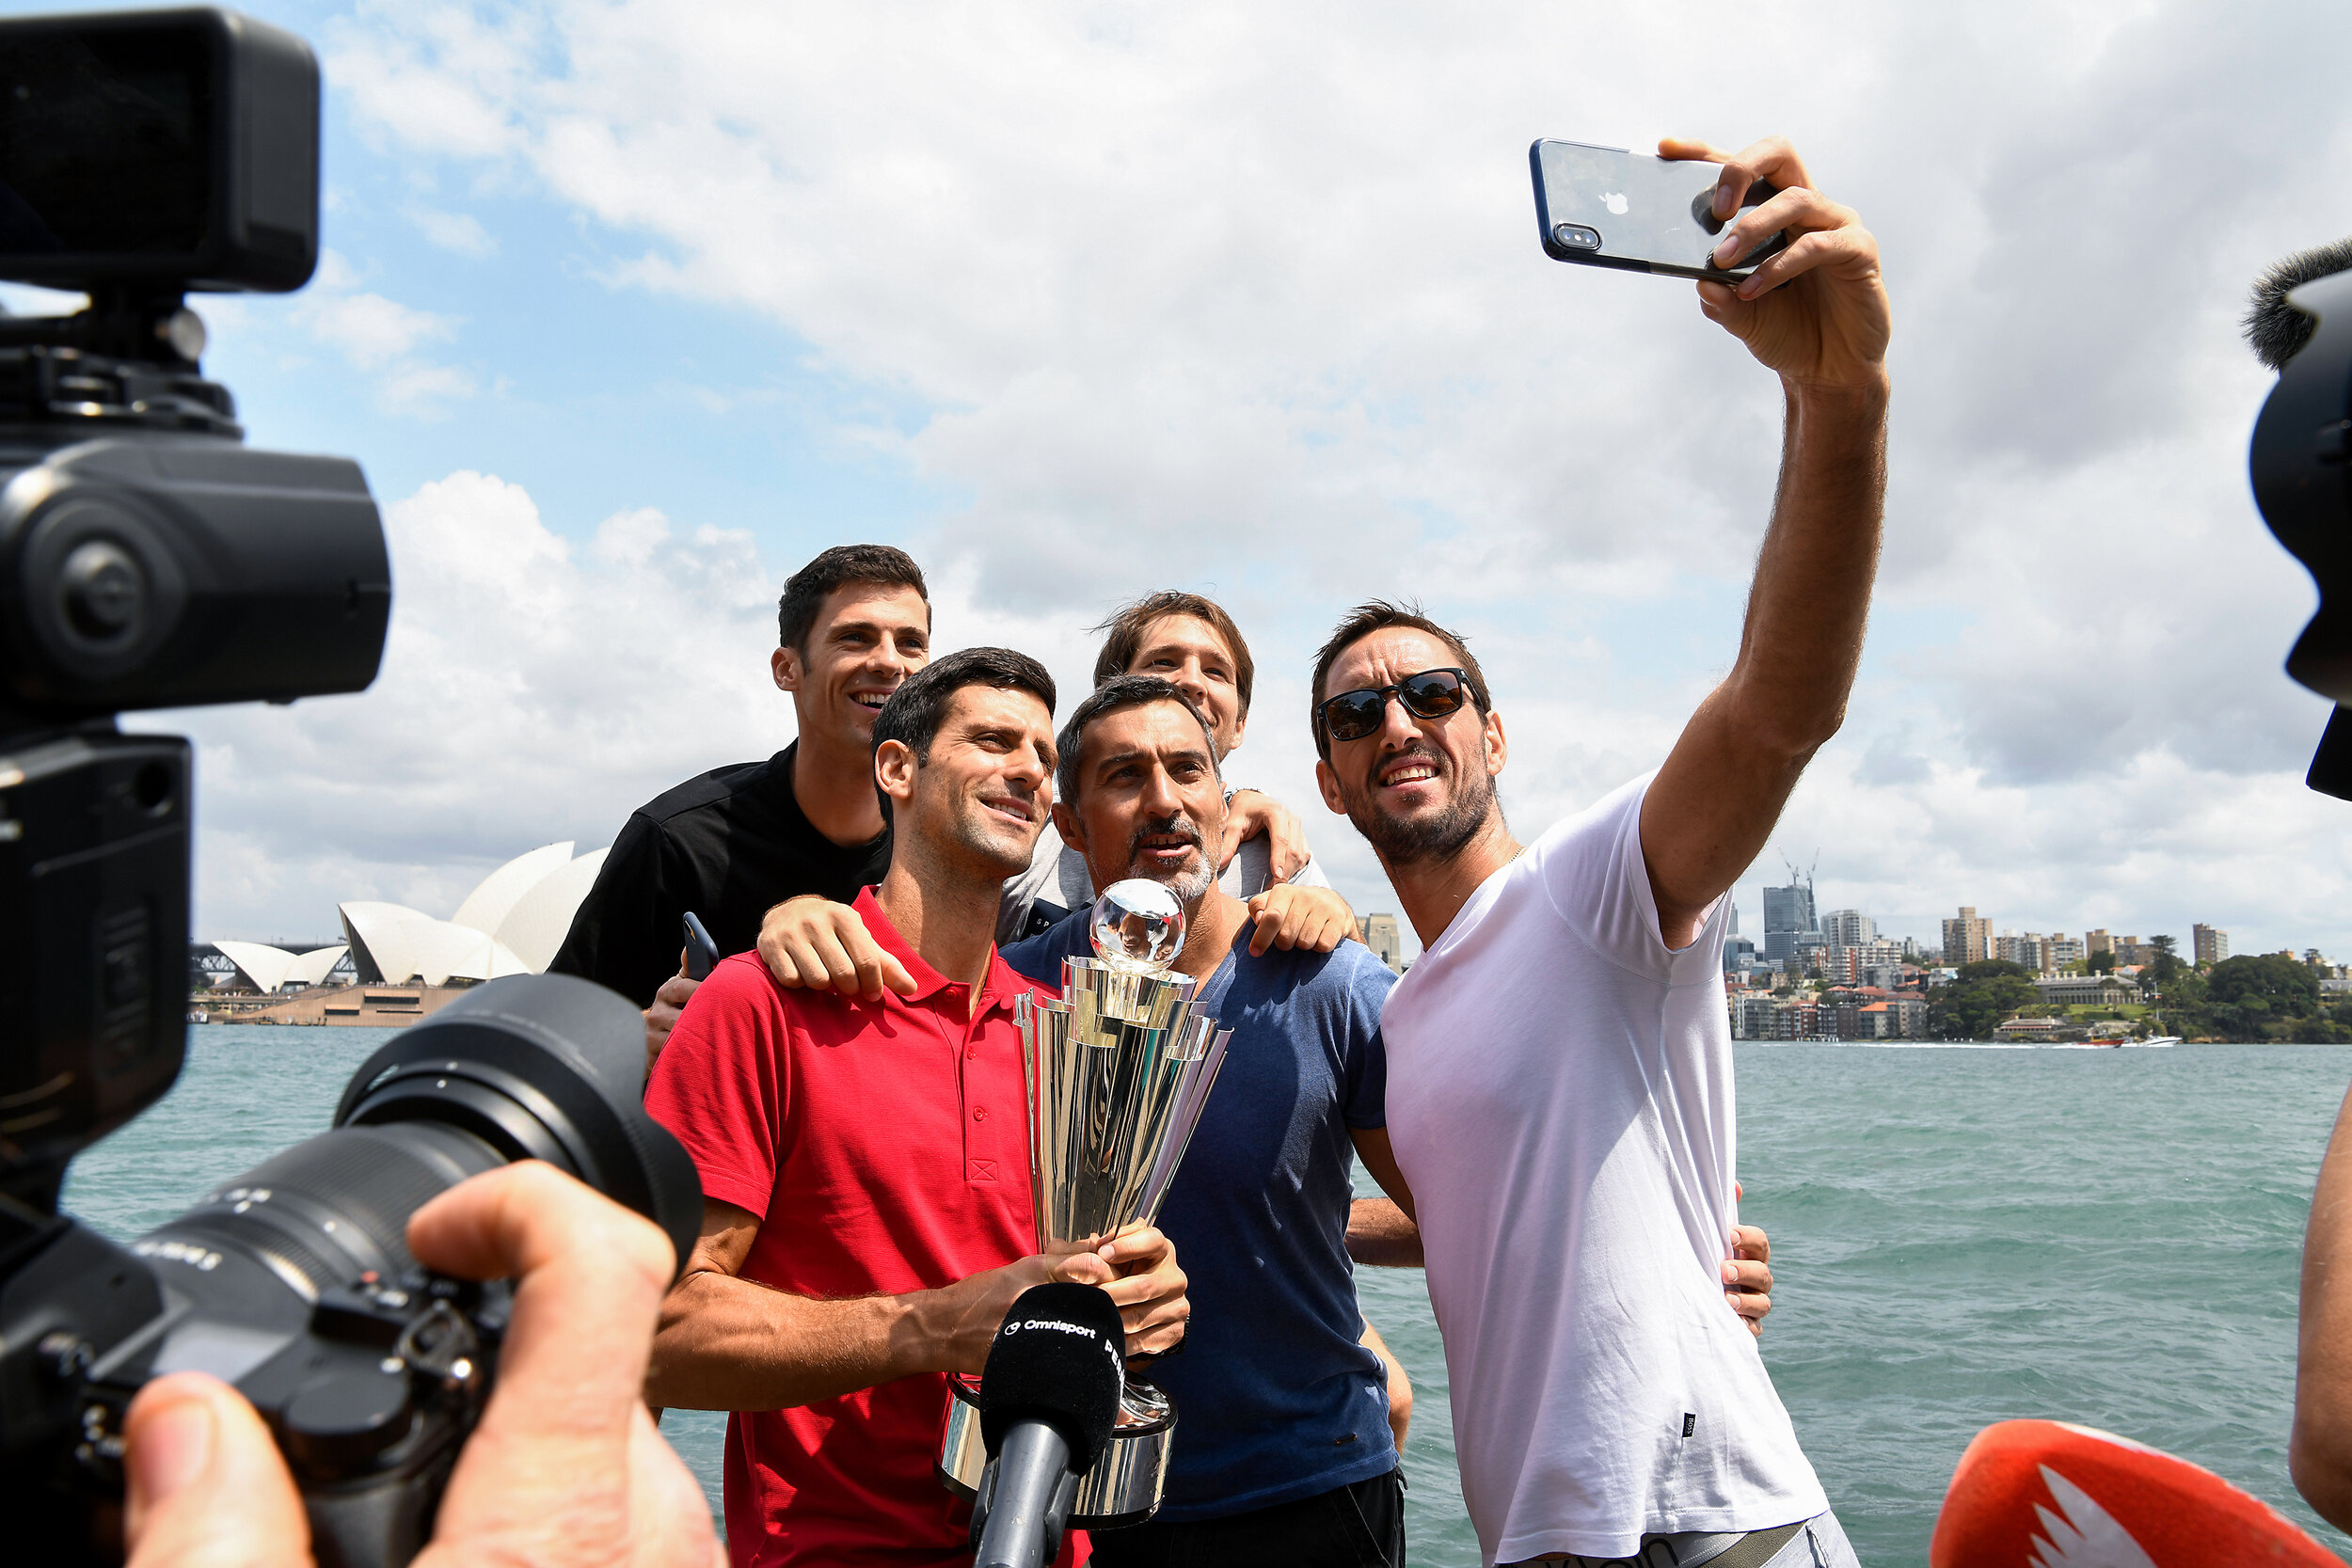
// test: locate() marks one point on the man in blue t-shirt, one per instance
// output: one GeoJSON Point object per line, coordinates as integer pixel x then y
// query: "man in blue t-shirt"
{"type": "Point", "coordinates": [1282, 1452]}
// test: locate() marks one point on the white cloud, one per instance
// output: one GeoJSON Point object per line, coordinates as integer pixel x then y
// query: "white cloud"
{"type": "Point", "coordinates": [383, 337]}
{"type": "Point", "coordinates": [368, 329]}
{"type": "Point", "coordinates": [1248, 298]}
{"type": "Point", "coordinates": [460, 231]}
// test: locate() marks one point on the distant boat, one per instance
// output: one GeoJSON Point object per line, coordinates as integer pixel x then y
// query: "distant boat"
{"type": "Point", "coordinates": [2160, 1039]}
{"type": "Point", "coordinates": [2103, 1043]}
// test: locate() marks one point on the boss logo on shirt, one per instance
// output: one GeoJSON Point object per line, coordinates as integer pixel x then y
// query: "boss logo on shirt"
{"type": "Point", "coordinates": [1690, 1423]}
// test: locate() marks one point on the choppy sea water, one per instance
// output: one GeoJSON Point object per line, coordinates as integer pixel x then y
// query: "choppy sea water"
{"type": "Point", "coordinates": [1961, 1235]}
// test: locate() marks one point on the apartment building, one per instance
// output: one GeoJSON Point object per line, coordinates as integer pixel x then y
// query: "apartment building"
{"type": "Point", "coordinates": [1380, 934]}
{"type": "Point", "coordinates": [1966, 939]}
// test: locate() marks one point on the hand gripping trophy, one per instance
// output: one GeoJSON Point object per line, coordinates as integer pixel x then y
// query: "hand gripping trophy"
{"type": "Point", "coordinates": [1118, 1074]}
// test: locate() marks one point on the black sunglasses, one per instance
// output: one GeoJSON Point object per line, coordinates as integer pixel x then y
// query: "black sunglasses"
{"type": "Point", "coordinates": [1431, 694]}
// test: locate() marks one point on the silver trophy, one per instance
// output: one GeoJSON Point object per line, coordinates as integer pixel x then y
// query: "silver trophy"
{"type": "Point", "coordinates": [1118, 1071]}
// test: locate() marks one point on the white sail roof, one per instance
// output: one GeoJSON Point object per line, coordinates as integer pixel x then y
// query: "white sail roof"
{"type": "Point", "coordinates": [312, 968]}
{"type": "Point", "coordinates": [512, 923]}
{"type": "Point", "coordinates": [394, 945]}
{"type": "Point", "coordinates": [488, 904]}
{"type": "Point", "coordinates": [265, 967]}
{"type": "Point", "coordinates": [268, 968]}
{"type": "Point", "coordinates": [535, 927]}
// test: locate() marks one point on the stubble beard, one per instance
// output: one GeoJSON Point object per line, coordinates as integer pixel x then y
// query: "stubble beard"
{"type": "Point", "coordinates": [979, 838]}
{"type": "Point", "coordinates": [1188, 887]}
{"type": "Point", "coordinates": [1428, 836]}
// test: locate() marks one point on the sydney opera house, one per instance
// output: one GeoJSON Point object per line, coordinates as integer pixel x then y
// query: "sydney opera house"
{"type": "Point", "coordinates": [395, 962]}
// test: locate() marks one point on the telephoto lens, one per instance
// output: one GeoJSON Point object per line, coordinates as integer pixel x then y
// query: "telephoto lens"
{"type": "Point", "coordinates": [294, 1282]}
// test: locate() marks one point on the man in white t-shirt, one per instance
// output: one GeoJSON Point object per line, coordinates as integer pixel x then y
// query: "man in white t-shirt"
{"type": "Point", "coordinates": [1560, 1073]}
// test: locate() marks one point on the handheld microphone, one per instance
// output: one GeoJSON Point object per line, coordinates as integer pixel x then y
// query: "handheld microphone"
{"type": "Point", "coordinates": [1049, 1396]}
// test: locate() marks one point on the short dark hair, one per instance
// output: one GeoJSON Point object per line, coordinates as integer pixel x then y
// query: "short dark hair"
{"type": "Point", "coordinates": [804, 591]}
{"type": "Point", "coordinates": [919, 705]}
{"type": "Point", "coordinates": [1127, 625]}
{"type": "Point", "coordinates": [1115, 695]}
{"type": "Point", "coordinates": [1378, 615]}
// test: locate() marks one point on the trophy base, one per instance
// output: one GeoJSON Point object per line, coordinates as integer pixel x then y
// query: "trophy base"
{"type": "Point", "coordinates": [1124, 1488]}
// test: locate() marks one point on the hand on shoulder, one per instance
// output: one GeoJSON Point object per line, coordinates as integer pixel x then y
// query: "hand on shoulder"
{"type": "Point", "coordinates": [811, 943]}
{"type": "Point", "coordinates": [1313, 919]}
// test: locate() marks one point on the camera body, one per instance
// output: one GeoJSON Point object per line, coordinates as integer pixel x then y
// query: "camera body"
{"type": "Point", "coordinates": [148, 559]}
{"type": "Point", "coordinates": [371, 1391]}
{"type": "Point", "coordinates": [294, 1281]}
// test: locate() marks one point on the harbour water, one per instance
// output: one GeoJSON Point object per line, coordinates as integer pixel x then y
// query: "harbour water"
{"type": "Point", "coordinates": [1961, 1234]}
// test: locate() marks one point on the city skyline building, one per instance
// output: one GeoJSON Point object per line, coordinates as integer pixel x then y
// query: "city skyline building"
{"type": "Point", "coordinates": [2029, 952]}
{"type": "Point", "coordinates": [1379, 933]}
{"type": "Point", "coordinates": [2208, 945]}
{"type": "Point", "coordinates": [1966, 937]}
{"type": "Point", "coordinates": [1787, 914]}
{"type": "Point", "coordinates": [1848, 928]}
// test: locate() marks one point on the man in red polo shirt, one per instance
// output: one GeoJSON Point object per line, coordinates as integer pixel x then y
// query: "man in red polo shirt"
{"type": "Point", "coordinates": [867, 1219]}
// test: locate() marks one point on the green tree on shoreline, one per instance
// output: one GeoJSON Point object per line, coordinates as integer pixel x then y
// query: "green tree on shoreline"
{"type": "Point", "coordinates": [1976, 1002]}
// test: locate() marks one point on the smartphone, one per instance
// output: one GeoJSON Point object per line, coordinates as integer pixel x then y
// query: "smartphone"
{"type": "Point", "coordinates": [702, 954]}
{"type": "Point", "coordinates": [1605, 207]}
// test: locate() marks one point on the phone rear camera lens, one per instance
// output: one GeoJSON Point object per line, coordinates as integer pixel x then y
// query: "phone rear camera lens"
{"type": "Point", "coordinates": [1577, 237]}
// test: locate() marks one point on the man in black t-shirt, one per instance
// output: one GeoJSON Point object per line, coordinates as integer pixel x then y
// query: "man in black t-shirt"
{"type": "Point", "coordinates": [851, 625]}
{"type": "Point", "coordinates": [719, 846]}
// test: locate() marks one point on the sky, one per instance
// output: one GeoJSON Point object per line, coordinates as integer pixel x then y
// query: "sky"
{"type": "Point", "coordinates": [627, 310]}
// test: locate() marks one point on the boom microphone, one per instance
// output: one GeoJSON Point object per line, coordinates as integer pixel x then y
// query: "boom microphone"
{"type": "Point", "coordinates": [2299, 323]}
{"type": "Point", "coordinates": [1049, 1395]}
{"type": "Point", "coordinates": [2275, 330]}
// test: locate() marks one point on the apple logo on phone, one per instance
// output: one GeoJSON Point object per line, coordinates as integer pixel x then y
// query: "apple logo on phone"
{"type": "Point", "coordinates": [1614, 201]}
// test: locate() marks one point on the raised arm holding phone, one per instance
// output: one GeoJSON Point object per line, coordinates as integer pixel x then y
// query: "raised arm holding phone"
{"type": "Point", "coordinates": [1567, 1006]}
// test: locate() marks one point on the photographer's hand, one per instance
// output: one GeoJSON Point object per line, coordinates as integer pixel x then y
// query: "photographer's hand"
{"type": "Point", "coordinates": [206, 1486]}
{"type": "Point", "coordinates": [565, 1468]}
{"type": "Point", "coordinates": [1817, 313]}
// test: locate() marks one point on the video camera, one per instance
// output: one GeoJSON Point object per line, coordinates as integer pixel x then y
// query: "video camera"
{"type": "Point", "coordinates": [148, 559]}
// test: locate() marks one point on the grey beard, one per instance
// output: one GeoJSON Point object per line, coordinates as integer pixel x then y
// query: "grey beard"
{"type": "Point", "coordinates": [1189, 887]}
{"type": "Point", "coordinates": [1412, 841]}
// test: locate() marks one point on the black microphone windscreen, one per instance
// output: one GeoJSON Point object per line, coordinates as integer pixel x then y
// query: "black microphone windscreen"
{"type": "Point", "coordinates": [1058, 1359]}
{"type": "Point", "coordinates": [2276, 329]}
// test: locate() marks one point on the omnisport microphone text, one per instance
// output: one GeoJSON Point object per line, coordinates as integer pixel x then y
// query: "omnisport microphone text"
{"type": "Point", "coordinates": [1062, 1326]}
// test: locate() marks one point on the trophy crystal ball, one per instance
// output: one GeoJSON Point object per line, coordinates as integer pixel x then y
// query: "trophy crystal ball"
{"type": "Point", "coordinates": [1117, 1071]}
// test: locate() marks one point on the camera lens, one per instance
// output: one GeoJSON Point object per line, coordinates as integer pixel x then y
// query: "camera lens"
{"type": "Point", "coordinates": [534, 1066]}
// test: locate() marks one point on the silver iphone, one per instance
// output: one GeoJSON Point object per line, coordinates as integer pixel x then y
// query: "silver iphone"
{"type": "Point", "coordinates": [1605, 207]}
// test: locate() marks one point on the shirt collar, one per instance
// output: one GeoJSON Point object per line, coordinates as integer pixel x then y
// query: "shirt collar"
{"type": "Point", "coordinates": [997, 988]}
